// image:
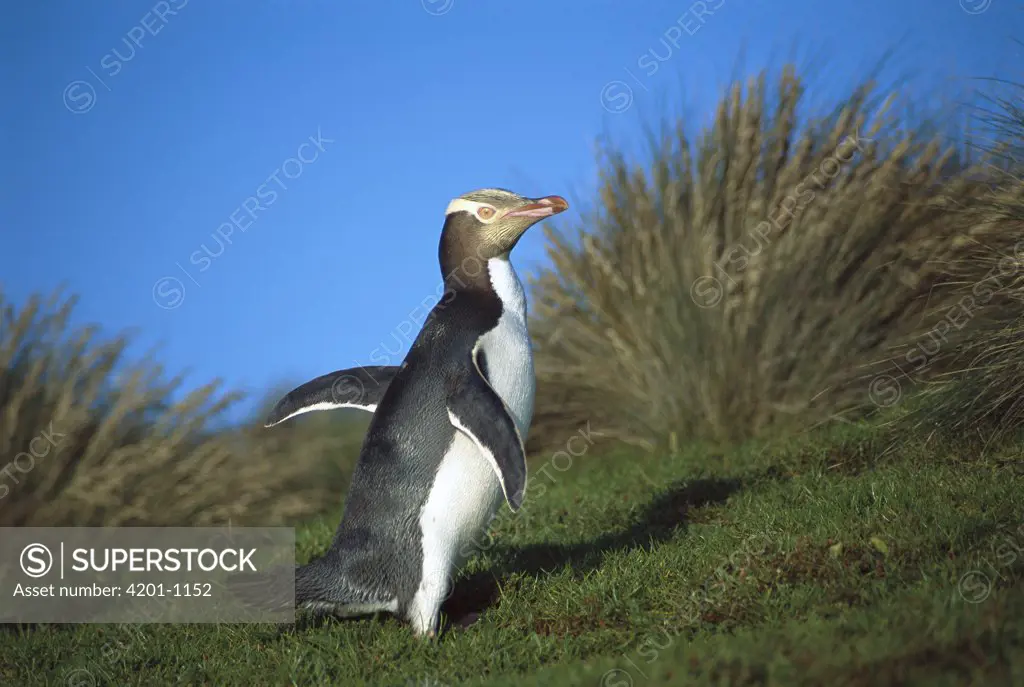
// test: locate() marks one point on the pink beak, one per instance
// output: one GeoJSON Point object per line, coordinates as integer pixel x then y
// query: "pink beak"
{"type": "Point", "coordinates": [541, 207]}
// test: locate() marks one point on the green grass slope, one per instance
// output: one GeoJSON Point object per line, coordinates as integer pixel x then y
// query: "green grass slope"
{"type": "Point", "coordinates": [853, 557]}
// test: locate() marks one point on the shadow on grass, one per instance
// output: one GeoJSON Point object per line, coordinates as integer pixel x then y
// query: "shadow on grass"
{"type": "Point", "coordinates": [662, 518]}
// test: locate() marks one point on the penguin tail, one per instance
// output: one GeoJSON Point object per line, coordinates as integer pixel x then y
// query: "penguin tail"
{"type": "Point", "coordinates": [266, 591]}
{"type": "Point", "coordinates": [323, 587]}
{"type": "Point", "coordinates": [318, 583]}
{"type": "Point", "coordinates": [320, 586]}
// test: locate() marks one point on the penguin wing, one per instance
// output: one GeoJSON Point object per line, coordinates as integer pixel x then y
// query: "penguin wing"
{"type": "Point", "coordinates": [476, 410]}
{"type": "Point", "coordinates": [356, 387]}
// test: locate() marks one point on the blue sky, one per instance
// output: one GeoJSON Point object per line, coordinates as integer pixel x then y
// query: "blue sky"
{"type": "Point", "coordinates": [139, 129]}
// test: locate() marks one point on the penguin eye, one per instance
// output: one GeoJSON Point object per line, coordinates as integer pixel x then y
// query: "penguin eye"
{"type": "Point", "coordinates": [485, 212]}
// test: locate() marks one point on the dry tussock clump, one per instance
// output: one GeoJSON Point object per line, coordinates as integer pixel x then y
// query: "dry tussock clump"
{"type": "Point", "coordinates": [744, 283]}
{"type": "Point", "coordinates": [983, 388]}
{"type": "Point", "coordinates": [88, 440]}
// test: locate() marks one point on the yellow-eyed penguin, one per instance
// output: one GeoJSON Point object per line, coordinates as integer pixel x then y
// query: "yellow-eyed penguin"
{"type": "Point", "coordinates": [445, 445]}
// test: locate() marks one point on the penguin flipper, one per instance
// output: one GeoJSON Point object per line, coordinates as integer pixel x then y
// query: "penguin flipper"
{"type": "Point", "coordinates": [476, 410]}
{"type": "Point", "coordinates": [356, 387]}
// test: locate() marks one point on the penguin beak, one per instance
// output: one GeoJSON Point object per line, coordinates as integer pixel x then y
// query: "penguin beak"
{"type": "Point", "coordinates": [540, 208]}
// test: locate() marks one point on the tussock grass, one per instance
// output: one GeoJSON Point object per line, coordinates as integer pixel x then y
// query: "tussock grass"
{"type": "Point", "coordinates": [983, 387]}
{"type": "Point", "coordinates": [88, 438]}
{"type": "Point", "coordinates": [747, 278]}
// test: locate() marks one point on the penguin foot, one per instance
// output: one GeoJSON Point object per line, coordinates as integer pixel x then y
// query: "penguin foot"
{"type": "Point", "coordinates": [467, 620]}
{"type": "Point", "coordinates": [429, 632]}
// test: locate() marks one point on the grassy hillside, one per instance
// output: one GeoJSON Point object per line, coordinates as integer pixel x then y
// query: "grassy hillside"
{"type": "Point", "coordinates": [703, 535]}
{"type": "Point", "coordinates": [844, 558]}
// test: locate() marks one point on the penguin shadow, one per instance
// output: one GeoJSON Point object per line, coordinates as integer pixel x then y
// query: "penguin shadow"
{"type": "Point", "coordinates": [661, 519]}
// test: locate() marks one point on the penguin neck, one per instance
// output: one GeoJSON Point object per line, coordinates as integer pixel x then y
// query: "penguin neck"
{"type": "Point", "coordinates": [494, 276]}
{"type": "Point", "coordinates": [506, 284]}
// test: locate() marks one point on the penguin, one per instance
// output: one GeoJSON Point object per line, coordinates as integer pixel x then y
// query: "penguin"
{"type": "Point", "coordinates": [445, 445]}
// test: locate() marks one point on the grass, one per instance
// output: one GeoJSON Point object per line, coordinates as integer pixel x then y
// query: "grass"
{"type": "Point", "coordinates": [89, 438]}
{"type": "Point", "coordinates": [983, 387]}
{"type": "Point", "coordinates": [836, 557]}
{"type": "Point", "coordinates": [788, 248]}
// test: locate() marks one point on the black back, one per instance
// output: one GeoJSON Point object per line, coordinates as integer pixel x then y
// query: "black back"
{"type": "Point", "coordinates": [378, 542]}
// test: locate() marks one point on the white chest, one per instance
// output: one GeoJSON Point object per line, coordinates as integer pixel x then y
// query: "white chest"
{"type": "Point", "coordinates": [466, 492]}
{"type": "Point", "coordinates": [508, 349]}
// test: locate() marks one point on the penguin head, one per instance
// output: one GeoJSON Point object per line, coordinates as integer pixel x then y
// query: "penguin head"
{"type": "Point", "coordinates": [488, 223]}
